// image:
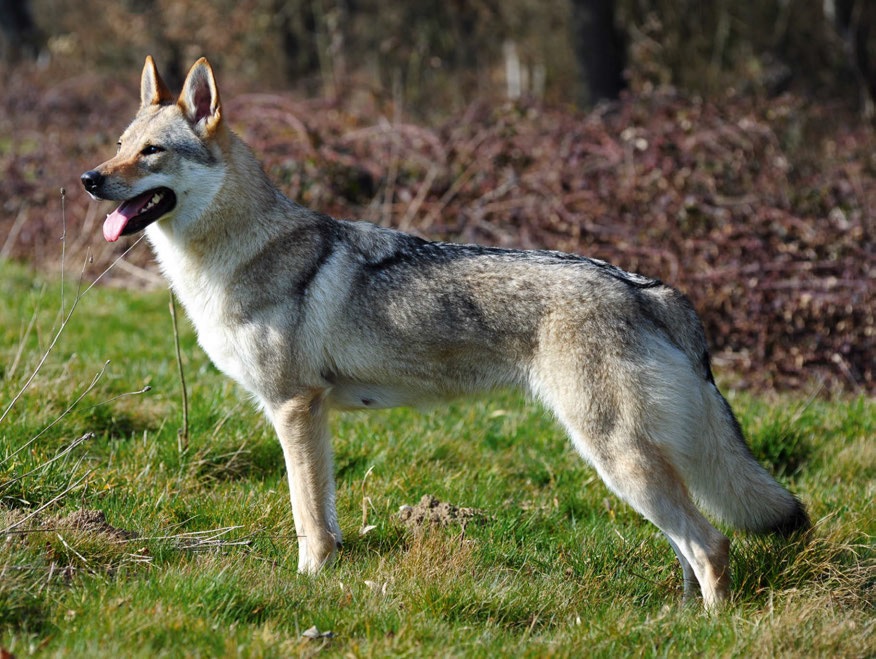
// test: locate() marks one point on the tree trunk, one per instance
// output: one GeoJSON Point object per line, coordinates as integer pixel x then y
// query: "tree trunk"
{"type": "Point", "coordinates": [600, 49]}
{"type": "Point", "coordinates": [21, 39]}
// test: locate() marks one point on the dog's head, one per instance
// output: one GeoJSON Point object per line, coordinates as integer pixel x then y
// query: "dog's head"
{"type": "Point", "coordinates": [169, 159]}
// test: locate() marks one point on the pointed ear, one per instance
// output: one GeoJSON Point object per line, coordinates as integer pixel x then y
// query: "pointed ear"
{"type": "Point", "coordinates": [199, 99]}
{"type": "Point", "coordinates": [153, 91]}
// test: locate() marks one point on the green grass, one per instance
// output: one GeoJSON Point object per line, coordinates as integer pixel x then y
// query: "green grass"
{"type": "Point", "coordinates": [560, 566]}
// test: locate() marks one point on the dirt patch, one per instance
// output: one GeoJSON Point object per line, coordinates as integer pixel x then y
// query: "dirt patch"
{"type": "Point", "coordinates": [11, 519]}
{"type": "Point", "coordinates": [91, 522]}
{"type": "Point", "coordinates": [430, 512]}
{"type": "Point", "coordinates": [86, 521]}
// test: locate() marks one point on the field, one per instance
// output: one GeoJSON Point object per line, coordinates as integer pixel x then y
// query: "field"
{"type": "Point", "coordinates": [124, 536]}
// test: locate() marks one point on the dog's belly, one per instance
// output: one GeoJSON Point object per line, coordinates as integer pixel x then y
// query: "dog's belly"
{"type": "Point", "coordinates": [367, 396]}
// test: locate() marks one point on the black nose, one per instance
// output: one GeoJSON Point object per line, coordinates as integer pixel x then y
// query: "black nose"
{"type": "Point", "coordinates": [91, 180]}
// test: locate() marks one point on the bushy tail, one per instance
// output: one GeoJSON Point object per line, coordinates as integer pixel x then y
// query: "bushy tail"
{"type": "Point", "coordinates": [730, 484]}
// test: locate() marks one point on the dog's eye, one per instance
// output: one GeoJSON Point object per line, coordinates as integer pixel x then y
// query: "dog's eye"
{"type": "Point", "coordinates": [150, 149]}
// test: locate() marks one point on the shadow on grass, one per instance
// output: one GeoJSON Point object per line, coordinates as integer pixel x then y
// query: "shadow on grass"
{"type": "Point", "coordinates": [262, 460]}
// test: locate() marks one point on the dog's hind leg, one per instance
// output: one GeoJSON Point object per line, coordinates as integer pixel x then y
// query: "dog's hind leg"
{"type": "Point", "coordinates": [691, 585]}
{"type": "Point", "coordinates": [639, 473]}
{"type": "Point", "coordinates": [606, 426]}
{"type": "Point", "coordinates": [631, 403]}
{"type": "Point", "coordinates": [302, 426]}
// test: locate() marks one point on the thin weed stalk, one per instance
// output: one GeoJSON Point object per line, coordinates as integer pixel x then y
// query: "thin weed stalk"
{"type": "Point", "coordinates": [183, 434]}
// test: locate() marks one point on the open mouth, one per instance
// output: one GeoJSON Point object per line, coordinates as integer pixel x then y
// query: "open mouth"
{"type": "Point", "coordinates": [138, 213]}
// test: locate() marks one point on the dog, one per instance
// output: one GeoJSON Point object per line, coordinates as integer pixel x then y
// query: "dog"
{"type": "Point", "coordinates": [310, 313]}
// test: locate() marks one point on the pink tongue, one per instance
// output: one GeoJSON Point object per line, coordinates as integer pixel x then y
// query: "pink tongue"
{"type": "Point", "coordinates": [117, 220]}
{"type": "Point", "coordinates": [114, 225]}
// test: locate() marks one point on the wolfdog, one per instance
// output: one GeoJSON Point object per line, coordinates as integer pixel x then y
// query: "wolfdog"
{"type": "Point", "coordinates": [311, 313]}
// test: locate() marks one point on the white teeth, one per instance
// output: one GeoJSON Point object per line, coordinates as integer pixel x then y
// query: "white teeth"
{"type": "Point", "coordinates": [154, 200]}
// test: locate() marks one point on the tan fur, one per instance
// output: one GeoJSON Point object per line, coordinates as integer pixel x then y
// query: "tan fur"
{"type": "Point", "coordinates": [302, 426]}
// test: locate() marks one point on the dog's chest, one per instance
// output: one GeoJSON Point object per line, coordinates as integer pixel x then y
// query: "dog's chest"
{"type": "Point", "coordinates": [203, 293]}
{"type": "Point", "coordinates": [226, 342]}
{"type": "Point", "coordinates": [221, 344]}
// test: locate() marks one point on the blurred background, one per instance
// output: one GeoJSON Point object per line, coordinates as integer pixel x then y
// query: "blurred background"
{"type": "Point", "coordinates": [438, 55]}
{"type": "Point", "coordinates": [724, 146]}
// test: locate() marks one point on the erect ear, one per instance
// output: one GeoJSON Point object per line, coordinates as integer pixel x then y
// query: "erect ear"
{"type": "Point", "coordinates": [199, 99]}
{"type": "Point", "coordinates": [153, 91]}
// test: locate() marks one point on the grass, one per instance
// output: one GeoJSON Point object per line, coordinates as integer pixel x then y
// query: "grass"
{"type": "Point", "coordinates": [558, 567]}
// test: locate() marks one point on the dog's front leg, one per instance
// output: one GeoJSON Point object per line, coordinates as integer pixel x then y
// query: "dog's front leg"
{"type": "Point", "coordinates": [302, 426]}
